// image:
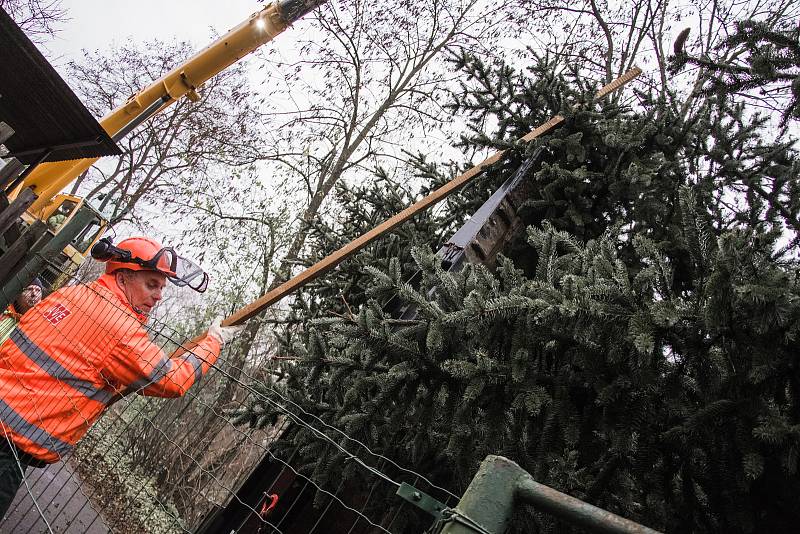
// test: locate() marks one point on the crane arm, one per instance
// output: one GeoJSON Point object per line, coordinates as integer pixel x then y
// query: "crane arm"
{"type": "Point", "coordinates": [48, 179]}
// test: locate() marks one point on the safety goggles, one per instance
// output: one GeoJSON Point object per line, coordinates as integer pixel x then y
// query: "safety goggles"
{"type": "Point", "coordinates": [179, 270]}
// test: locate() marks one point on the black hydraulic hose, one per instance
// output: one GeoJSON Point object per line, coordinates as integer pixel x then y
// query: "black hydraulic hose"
{"type": "Point", "coordinates": [148, 112]}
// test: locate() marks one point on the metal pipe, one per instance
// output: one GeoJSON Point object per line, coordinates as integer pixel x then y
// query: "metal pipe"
{"type": "Point", "coordinates": [575, 511]}
{"type": "Point", "coordinates": [140, 118]}
{"type": "Point", "coordinates": [489, 499]}
{"type": "Point", "coordinates": [488, 504]}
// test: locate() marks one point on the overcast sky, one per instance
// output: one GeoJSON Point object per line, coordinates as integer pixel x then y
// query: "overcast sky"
{"type": "Point", "coordinates": [100, 25]}
{"type": "Point", "coordinates": [96, 24]}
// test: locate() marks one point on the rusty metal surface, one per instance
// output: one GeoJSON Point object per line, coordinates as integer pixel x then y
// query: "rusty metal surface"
{"type": "Point", "coordinates": [421, 500]}
{"type": "Point", "coordinates": [576, 511]}
{"type": "Point", "coordinates": [488, 504]}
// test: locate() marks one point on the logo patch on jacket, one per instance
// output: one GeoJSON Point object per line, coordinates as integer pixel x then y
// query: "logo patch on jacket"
{"type": "Point", "coordinates": [56, 313]}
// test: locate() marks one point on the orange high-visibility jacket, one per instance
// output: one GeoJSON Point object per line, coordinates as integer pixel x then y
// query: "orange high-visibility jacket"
{"type": "Point", "coordinates": [74, 354]}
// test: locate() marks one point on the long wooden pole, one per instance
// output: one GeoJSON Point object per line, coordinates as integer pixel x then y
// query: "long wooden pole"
{"type": "Point", "coordinates": [331, 261]}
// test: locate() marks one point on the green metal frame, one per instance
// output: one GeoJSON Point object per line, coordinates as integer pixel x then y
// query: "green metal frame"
{"type": "Point", "coordinates": [421, 500]}
{"type": "Point", "coordinates": [488, 504]}
{"type": "Point", "coordinates": [38, 257]}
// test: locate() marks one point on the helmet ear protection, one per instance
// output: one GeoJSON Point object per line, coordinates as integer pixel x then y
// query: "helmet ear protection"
{"type": "Point", "coordinates": [104, 250]}
{"type": "Point", "coordinates": [180, 271]}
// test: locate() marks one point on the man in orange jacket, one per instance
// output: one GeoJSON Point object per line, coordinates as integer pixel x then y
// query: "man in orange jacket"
{"type": "Point", "coordinates": [85, 347]}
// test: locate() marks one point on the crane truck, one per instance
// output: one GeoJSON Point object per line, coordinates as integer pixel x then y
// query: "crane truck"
{"type": "Point", "coordinates": [48, 179]}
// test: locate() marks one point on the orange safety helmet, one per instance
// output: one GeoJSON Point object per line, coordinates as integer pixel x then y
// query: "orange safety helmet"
{"type": "Point", "coordinates": [145, 249]}
{"type": "Point", "coordinates": [145, 254]}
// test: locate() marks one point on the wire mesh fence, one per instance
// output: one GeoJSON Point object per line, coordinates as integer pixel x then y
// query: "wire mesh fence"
{"type": "Point", "coordinates": [84, 399]}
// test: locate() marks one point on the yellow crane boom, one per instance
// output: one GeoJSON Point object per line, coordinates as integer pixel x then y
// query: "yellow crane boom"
{"type": "Point", "coordinates": [48, 179]}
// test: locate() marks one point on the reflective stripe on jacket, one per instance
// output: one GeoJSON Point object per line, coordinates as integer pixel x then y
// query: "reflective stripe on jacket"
{"type": "Point", "coordinates": [73, 355]}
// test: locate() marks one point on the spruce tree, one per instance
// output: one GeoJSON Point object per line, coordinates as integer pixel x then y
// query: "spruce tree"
{"type": "Point", "coordinates": [635, 347]}
{"type": "Point", "coordinates": [756, 57]}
